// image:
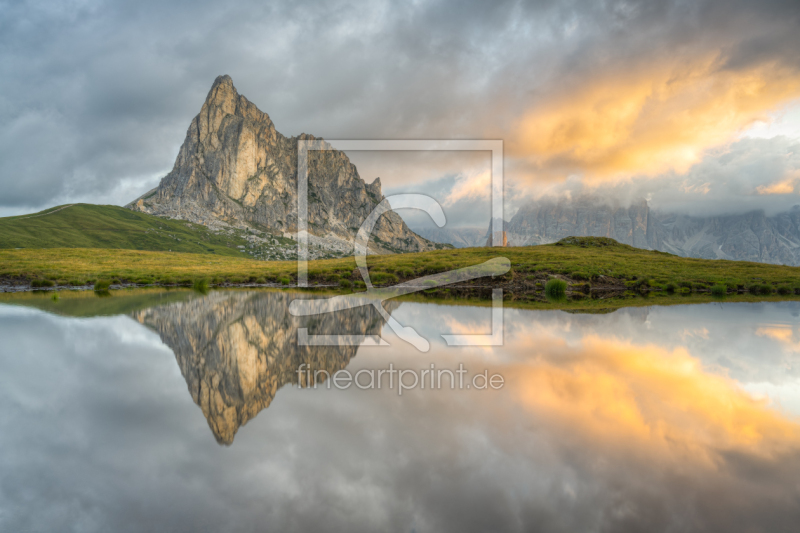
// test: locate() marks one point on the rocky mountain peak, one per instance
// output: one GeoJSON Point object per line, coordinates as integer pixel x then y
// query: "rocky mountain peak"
{"type": "Point", "coordinates": [222, 91]}
{"type": "Point", "coordinates": [375, 188]}
{"type": "Point", "coordinates": [235, 169]}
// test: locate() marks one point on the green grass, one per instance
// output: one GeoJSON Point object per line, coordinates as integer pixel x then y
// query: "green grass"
{"type": "Point", "coordinates": [102, 286]}
{"type": "Point", "coordinates": [629, 266]}
{"type": "Point", "coordinates": [71, 246]}
{"type": "Point", "coordinates": [555, 287]}
{"type": "Point", "coordinates": [719, 290]}
{"type": "Point", "coordinates": [107, 226]}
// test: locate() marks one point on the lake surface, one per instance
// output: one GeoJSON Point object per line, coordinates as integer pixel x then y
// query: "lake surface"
{"type": "Point", "coordinates": [186, 412]}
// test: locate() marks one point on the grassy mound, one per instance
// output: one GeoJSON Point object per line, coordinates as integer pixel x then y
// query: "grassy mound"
{"type": "Point", "coordinates": [585, 242]}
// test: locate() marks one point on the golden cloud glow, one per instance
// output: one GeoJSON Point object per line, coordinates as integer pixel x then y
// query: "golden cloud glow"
{"type": "Point", "coordinates": [652, 400]}
{"type": "Point", "coordinates": [473, 184]}
{"type": "Point", "coordinates": [783, 334]}
{"type": "Point", "coordinates": [650, 119]}
{"type": "Point", "coordinates": [787, 186]}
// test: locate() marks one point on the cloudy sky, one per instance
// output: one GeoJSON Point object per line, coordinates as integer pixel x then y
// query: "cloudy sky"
{"type": "Point", "coordinates": [692, 104]}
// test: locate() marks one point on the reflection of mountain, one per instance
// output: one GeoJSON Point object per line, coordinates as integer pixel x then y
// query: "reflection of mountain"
{"type": "Point", "coordinates": [236, 349]}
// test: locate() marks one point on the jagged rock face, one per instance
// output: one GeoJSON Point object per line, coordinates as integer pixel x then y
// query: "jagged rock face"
{"type": "Point", "coordinates": [234, 167]}
{"type": "Point", "coordinates": [236, 349]}
{"type": "Point", "coordinates": [550, 221]}
{"type": "Point", "coordinates": [747, 237]}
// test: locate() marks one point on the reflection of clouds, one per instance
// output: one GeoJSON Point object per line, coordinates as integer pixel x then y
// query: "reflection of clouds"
{"type": "Point", "coordinates": [603, 425]}
{"type": "Point", "coordinates": [701, 333]}
{"type": "Point", "coordinates": [720, 336]}
{"type": "Point", "coordinates": [617, 434]}
{"type": "Point", "coordinates": [785, 335]}
{"type": "Point", "coordinates": [649, 399]}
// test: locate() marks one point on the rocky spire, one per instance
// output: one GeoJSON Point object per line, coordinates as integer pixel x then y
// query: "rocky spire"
{"type": "Point", "coordinates": [235, 168]}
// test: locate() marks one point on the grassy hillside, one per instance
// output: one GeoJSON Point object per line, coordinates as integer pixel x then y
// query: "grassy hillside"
{"type": "Point", "coordinates": [106, 226]}
{"type": "Point", "coordinates": [599, 262]}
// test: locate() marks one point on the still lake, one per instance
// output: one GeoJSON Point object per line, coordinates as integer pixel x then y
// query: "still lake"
{"type": "Point", "coordinates": [176, 411]}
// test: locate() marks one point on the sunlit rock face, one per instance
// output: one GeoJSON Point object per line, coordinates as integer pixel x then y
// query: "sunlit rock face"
{"type": "Point", "coordinates": [235, 168]}
{"type": "Point", "coordinates": [745, 237]}
{"type": "Point", "coordinates": [236, 349]}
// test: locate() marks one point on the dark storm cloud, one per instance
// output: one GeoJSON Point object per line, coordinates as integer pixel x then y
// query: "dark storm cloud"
{"type": "Point", "coordinates": [95, 97]}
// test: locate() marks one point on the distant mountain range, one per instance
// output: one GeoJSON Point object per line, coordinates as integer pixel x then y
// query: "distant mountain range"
{"type": "Point", "coordinates": [235, 169]}
{"type": "Point", "coordinates": [458, 237]}
{"type": "Point", "coordinates": [751, 236]}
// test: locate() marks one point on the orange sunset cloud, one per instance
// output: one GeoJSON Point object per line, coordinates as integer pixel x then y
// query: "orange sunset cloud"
{"type": "Point", "coordinates": [648, 119]}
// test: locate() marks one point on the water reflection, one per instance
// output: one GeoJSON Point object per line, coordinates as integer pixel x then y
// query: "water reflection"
{"type": "Point", "coordinates": [236, 349]}
{"type": "Point", "coordinates": [662, 419]}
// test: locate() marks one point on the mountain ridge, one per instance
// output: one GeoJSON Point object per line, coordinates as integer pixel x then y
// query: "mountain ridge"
{"type": "Point", "coordinates": [751, 236]}
{"type": "Point", "coordinates": [235, 169]}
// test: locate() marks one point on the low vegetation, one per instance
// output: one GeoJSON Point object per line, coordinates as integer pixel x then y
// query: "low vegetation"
{"type": "Point", "coordinates": [719, 290]}
{"type": "Point", "coordinates": [102, 285]}
{"type": "Point", "coordinates": [555, 287]}
{"type": "Point", "coordinates": [582, 265]}
{"type": "Point", "coordinates": [201, 285]}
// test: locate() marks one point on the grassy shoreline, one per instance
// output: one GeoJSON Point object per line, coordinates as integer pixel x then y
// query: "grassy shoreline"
{"type": "Point", "coordinates": [126, 301]}
{"type": "Point", "coordinates": [587, 266]}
